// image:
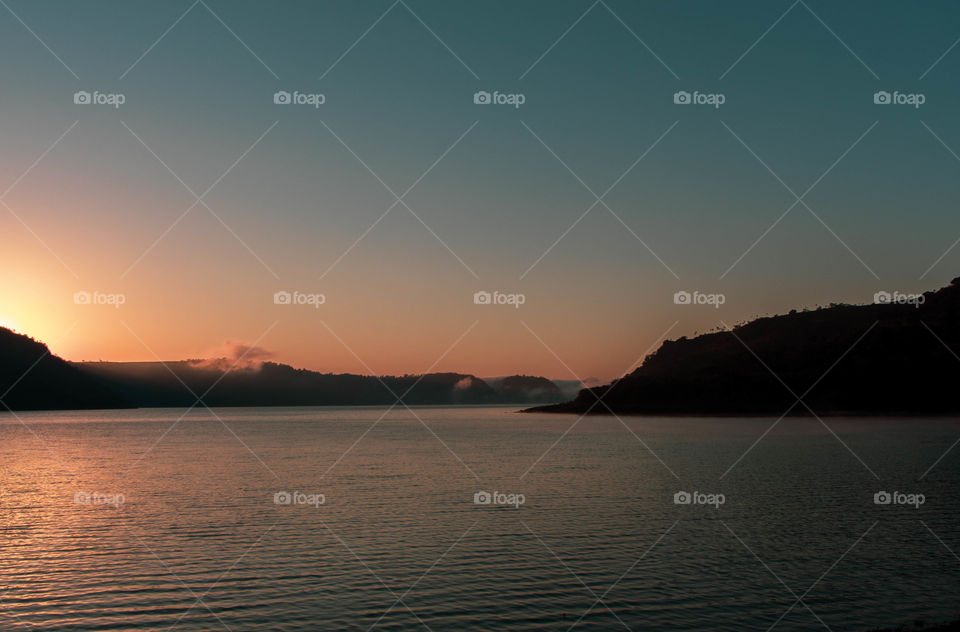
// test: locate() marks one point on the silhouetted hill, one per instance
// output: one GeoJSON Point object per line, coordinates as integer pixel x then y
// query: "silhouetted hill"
{"type": "Point", "coordinates": [870, 359]}
{"type": "Point", "coordinates": [39, 380]}
{"type": "Point", "coordinates": [525, 388]}
{"type": "Point", "coordinates": [156, 384]}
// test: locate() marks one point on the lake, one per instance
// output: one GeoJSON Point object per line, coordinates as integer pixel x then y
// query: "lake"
{"type": "Point", "coordinates": [473, 519]}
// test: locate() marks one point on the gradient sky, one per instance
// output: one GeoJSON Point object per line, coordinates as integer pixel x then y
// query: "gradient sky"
{"type": "Point", "coordinates": [399, 98]}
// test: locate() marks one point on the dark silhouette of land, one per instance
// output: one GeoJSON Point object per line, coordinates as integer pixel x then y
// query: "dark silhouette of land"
{"type": "Point", "coordinates": [896, 358]}
{"type": "Point", "coordinates": [35, 379]}
{"type": "Point", "coordinates": [31, 378]}
{"type": "Point", "coordinates": [155, 384]}
{"type": "Point", "coordinates": [882, 359]}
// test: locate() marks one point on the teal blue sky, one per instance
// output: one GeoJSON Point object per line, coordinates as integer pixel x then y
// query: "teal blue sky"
{"type": "Point", "coordinates": [702, 210]}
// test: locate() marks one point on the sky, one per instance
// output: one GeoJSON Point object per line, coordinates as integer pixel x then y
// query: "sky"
{"type": "Point", "coordinates": [586, 207]}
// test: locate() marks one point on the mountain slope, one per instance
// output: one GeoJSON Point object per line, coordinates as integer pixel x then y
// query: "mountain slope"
{"type": "Point", "coordinates": [39, 380]}
{"type": "Point", "coordinates": [156, 384]}
{"type": "Point", "coordinates": [870, 359]}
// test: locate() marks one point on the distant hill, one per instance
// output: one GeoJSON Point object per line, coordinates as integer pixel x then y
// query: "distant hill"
{"type": "Point", "coordinates": [155, 384]}
{"type": "Point", "coordinates": [899, 366]}
{"type": "Point", "coordinates": [39, 380]}
{"type": "Point", "coordinates": [525, 388]}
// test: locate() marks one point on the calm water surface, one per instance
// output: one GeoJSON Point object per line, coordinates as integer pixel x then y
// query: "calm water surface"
{"type": "Point", "coordinates": [200, 543]}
